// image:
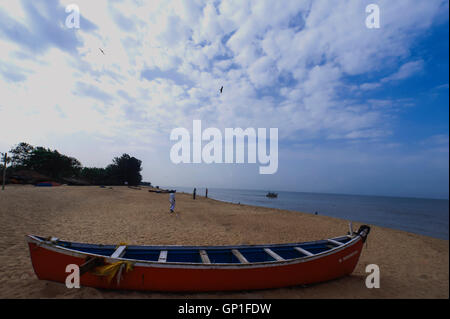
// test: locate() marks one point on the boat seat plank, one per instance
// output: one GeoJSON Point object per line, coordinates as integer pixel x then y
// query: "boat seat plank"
{"type": "Point", "coordinates": [303, 251]}
{"type": "Point", "coordinates": [335, 242]}
{"type": "Point", "coordinates": [204, 256]}
{"type": "Point", "coordinates": [239, 256]}
{"type": "Point", "coordinates": [162, 256]}
{"type": "Point", "coordinates": [273, 254]}
{"type": "Point", "coordinates": [119, 252]}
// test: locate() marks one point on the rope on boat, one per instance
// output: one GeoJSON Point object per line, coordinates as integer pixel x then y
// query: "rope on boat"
{"type": "Point", "coordinates": [111, 270]}
{"type": "Point", "coordinates": [117, 268]}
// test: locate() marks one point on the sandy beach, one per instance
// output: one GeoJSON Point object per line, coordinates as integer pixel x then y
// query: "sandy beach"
{"type": "Point", "coordinates": [411, 266]}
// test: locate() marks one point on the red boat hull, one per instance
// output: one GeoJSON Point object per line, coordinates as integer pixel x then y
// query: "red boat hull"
{"type": "Point", "coordinates": [50, 263]}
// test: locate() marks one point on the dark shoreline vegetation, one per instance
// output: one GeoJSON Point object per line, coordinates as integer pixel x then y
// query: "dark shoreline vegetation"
{"type": "Point", "coordinates": [28, 164]}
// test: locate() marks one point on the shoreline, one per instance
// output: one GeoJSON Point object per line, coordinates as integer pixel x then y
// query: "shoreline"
{"type": "Point", "coordinates": [317, 193]}
{"type": "Point", "coordinates": [411, 265]}
{"type": "Point", "coordinates": [437, 236]}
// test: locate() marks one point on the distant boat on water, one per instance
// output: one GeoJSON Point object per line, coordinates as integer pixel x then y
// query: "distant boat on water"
{"type": "Point", "coordinates": [272, 195]}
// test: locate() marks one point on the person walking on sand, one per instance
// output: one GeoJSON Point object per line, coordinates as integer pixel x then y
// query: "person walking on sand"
{"type": "Point", "coordinates": [195, 191]}
{"type": "Point", "coordinates": [206, 193]}
{"type": "Point", "coordinates": [172, 201]}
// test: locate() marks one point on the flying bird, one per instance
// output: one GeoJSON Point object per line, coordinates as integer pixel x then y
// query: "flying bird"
{"type": "Point", "coordinates": [221, 89]}
{"type": "Point", "coordinates": [101, 51]}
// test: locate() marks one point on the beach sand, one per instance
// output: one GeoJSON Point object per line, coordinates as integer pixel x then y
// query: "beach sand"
{"type": "Point", "coordinates": [411, 266]}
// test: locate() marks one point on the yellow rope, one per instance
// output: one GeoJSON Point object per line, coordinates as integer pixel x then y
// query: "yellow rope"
{"type": "Point", "coordinates": [111, 270]}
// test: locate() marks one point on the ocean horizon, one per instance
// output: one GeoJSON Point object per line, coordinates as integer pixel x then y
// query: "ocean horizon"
{"type": "Point", "coordinates": [423, 216]}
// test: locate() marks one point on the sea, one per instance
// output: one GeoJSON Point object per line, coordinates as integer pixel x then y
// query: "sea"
{"type": "Point", "coordinates": [422, 216]}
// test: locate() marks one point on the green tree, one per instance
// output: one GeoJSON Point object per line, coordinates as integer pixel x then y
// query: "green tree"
{"type": "Point", "coordinates": [52, 163]}
{"type": "Point", "coordinates": [95, 175]}
{"type": "Point", "coordinates": [56, 165]}
{"type": "Point", "coordinates": [127, 169]}
{"type": "Point", "coordinates": [20, 154]}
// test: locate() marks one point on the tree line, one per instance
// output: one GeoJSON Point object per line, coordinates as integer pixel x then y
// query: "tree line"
{"type": "Point", "coordinates": [123, 170]}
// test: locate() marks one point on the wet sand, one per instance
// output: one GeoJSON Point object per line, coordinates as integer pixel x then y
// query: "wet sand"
{"type": "Point", "coordinates": [411, 266]}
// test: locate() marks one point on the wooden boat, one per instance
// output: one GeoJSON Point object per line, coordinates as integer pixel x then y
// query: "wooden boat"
{"type": "Point", "coordinates": [272, 195]}
{"type": "Point", "coordinates": [164, 191]}
{"type": "Point", "coordinates": [198, 268]}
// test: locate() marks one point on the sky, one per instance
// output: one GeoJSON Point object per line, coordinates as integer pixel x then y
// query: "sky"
{"type": "Point", "coordinates": [358, 110]}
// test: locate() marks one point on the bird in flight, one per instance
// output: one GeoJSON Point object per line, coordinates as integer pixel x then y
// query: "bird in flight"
{"type": "Point", "coordinates": [101, 51]}
{"type": "Point", "coordinates": [221, 89]}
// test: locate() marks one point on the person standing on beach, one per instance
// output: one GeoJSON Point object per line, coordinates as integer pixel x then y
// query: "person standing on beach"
{"type": "Point", "coordinates": [172, 201]}
{"type": "Point", "coordinates": [206, 193]}
{"type": "Point", "coordinates": [195, 191]}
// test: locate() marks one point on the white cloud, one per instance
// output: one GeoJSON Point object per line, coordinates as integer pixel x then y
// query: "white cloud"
{"type": "Point", "coordinates": [405, 71]}
{"type": "Point", "coordinates": [262, 45]}
{"type": "Point", "coordinates": [262, 72]}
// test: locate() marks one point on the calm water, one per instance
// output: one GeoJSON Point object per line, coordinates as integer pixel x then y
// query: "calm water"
{"type": "Point", "coordinates": [421, 216]}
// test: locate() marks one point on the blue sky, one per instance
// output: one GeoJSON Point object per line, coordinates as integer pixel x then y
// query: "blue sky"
{"type": "Point", "coordinates": [360, 111]}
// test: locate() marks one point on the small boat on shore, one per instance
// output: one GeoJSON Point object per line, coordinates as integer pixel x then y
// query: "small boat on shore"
{"type": "Point", "coordinates": [197, 268]}
{"type": "Point", "coordinates": [161, 191]}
